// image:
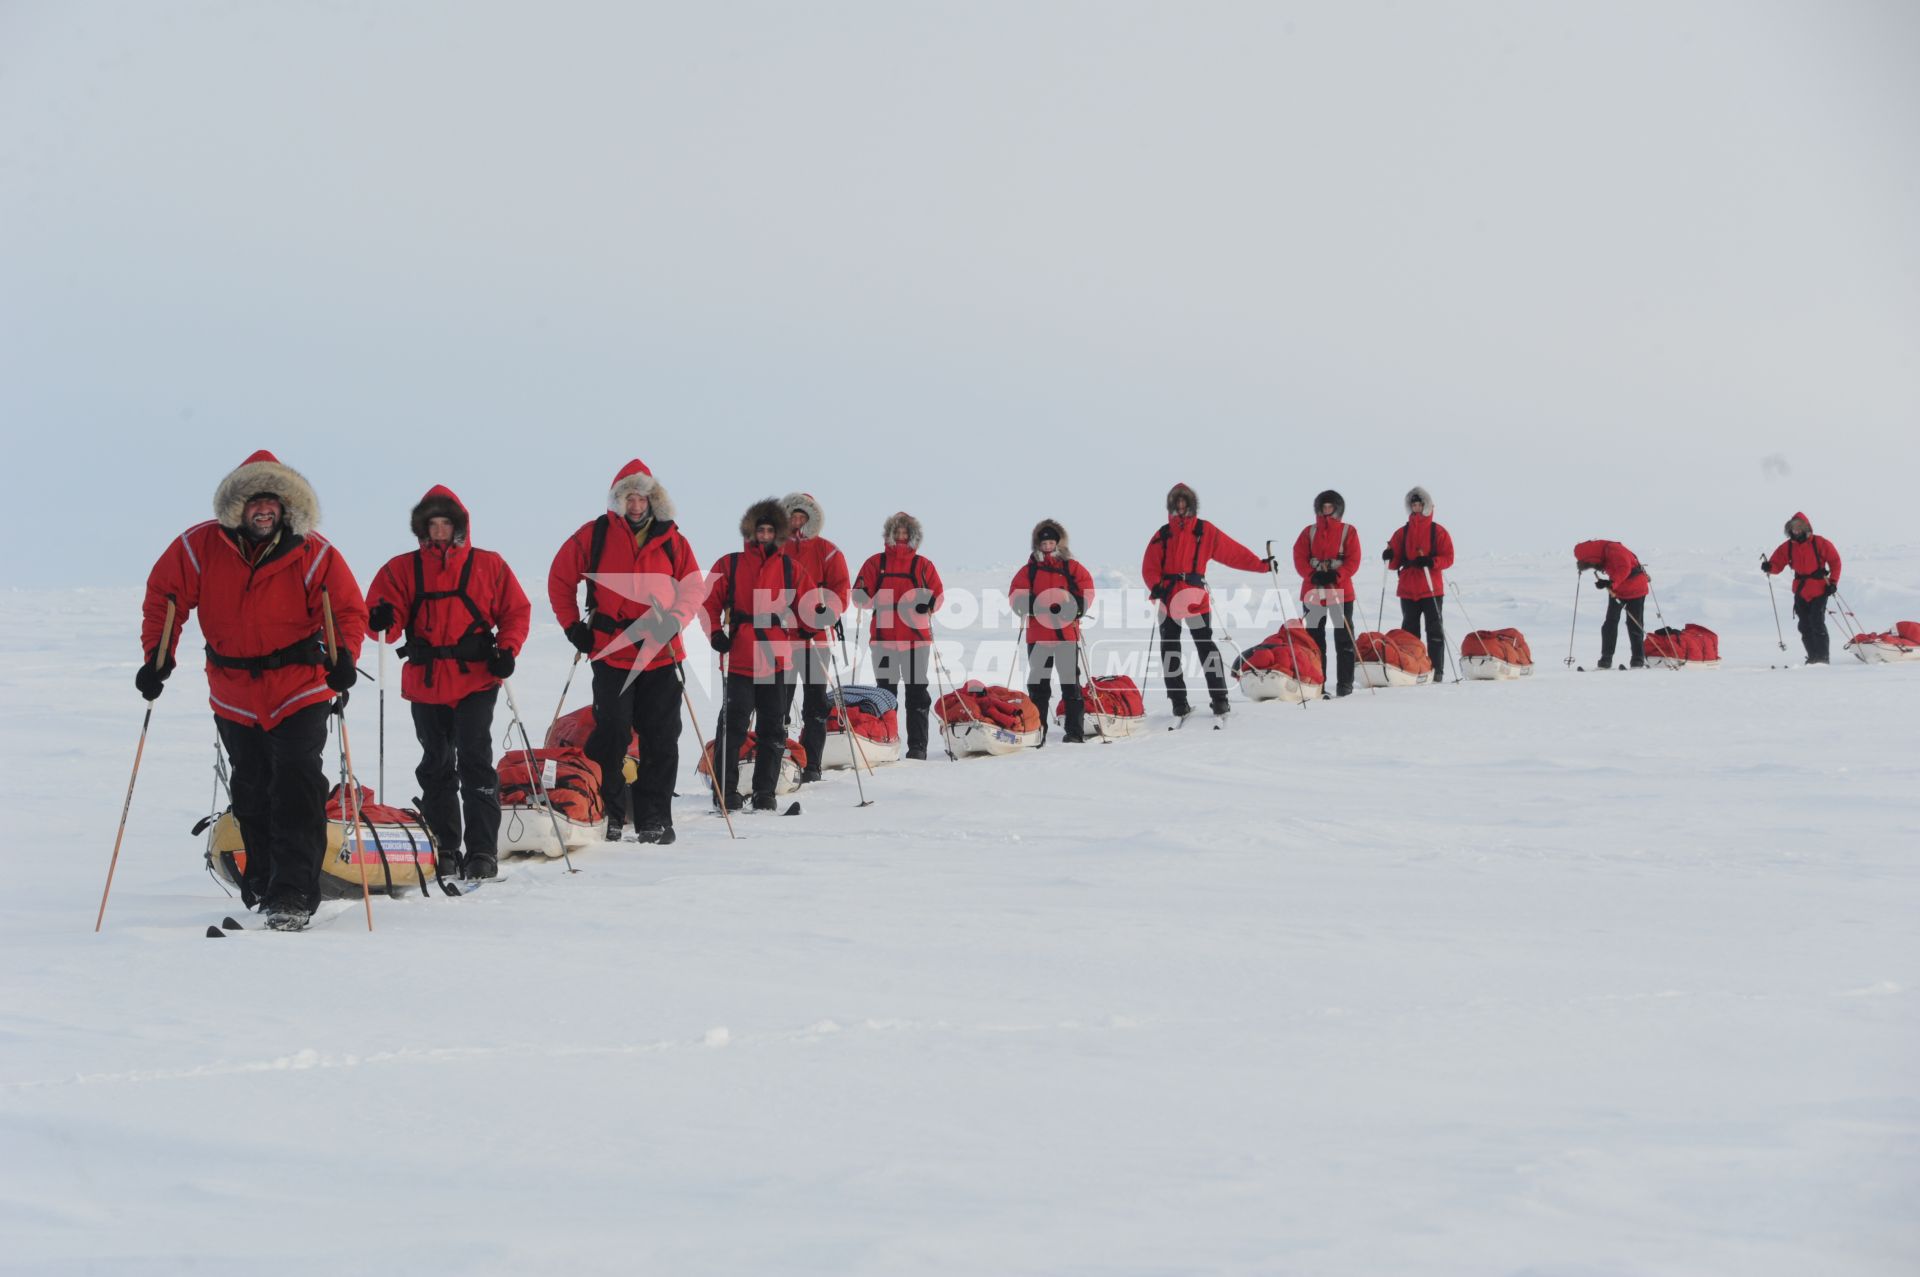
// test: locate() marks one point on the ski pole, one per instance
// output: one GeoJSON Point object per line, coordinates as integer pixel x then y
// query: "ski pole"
{"type": "Point", "coordinates": [1451, 649]}
{"type": "Point", "coordinates": [383, 716]}
{"type": "Point", "coordinates": [159, 662]}
{"type": "Point", "coordinates": [1340, 609]}
{"type": "Point", "coordinates": [1286, 618]}
{"type": "Point", "coordinates": [1849, 622]}
{"type": "Point", "coordinates": [1774, 599]}
{"type": "Point", "coordinates": [846, 727]}
{"type": "Point", "coordinates": [533, 771]}
{"type": "Point", "coordinates": [1579, 579]}
{"type": "Point", "coordinates": [346, 756]}
{"type": "Point", "coordinates": [562, 702]}
{"type": "Point", "coordinates": [713, 763]}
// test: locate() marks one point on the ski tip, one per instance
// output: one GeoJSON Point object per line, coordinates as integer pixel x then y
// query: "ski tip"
{"type": "Point", "coordinates": [228, 924]}
{"type": "Point", "coordinates": [214, 933]}
{"type": "Point", "coordinates": [793, 809]}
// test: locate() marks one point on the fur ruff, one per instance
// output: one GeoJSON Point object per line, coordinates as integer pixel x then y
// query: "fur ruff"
{"type": "Point", "coordinates": [299, 504]}
{"type": "Point", "coordinates": [816, 520]}
{"type": "Point", "coordinates": [1179, 490]}
{"type": "Point", "coordinates": [1419, 496]}
{"type": "Point", "coordinates": [434, 505]}
{"type": "Point", "coordinates": [1065, 550]}
{"type": "Point", "coordinates": [1806, 527]}
{"type": "Point", "coordinates": [645, 484]}
{"type": "Point", "coordinates": [767, 510]}
{"type": "Point", "coordinates": [897, 521]}
{"type": "Point", "coordinates": [1339, 504]}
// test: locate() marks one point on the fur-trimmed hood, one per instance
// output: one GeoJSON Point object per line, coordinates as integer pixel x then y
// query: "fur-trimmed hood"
{"type": "Point", "coordinates": [1179, 490]}
{"type": "Point", "coordinates": [264, 472]}
{"type": "Point", "coordinates": [816, 520]}
{"type": "Point", "coordinates": [635, 477]}
{"type": "Point", "coordinates": [1415, 496]}
{"type": "Point", "coordinates": [1806, 526]}
{"type": "Point", "coordinates": [1052, 525]}
{"type": "Point", "coordinates": [1339, 504]}
{"type": "Point", "coordinates": [439, 502]}
{"type": "Point", "coordinates": [765, 510]}
{"type": "Point", "coordinates": [901, 519]}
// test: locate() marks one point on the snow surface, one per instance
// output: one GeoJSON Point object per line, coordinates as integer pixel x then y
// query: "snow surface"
{"type": "Point", "coordinates": [1595, 974]}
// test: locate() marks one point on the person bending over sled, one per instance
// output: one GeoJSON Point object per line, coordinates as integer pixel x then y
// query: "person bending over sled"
{"type": "Point", "coordinates": [1420, 552]}
{"type": "Point", "coordinates": [1175, 569]}
{"type": "Point", "coordinates": [903, 590]}
{"type": "Point", "coordinates": [823, 599]}
{"type": "Point", "coordinates": [1053, 592]}
{"type": "Point", "coordinates": [464, 616]}
{"type": "Point", "coordinates": [264, 580]}
{"type": "Point", "coordinates": [1626, 584]}
{"type": "Point", "coordinates": [643, 587]}
{"type": "Point", "coordinates": [1326, 556]}
{"type": "Point", "coordinates": [750, 604]}
{"type": "Point", "coordinates": [1816, 574]}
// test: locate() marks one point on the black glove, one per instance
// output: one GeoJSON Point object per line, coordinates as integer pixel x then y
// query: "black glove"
{"type": "Point", "coordinates": [1832, 590]}
{"type": "Point", "coordinates": [1766, 565]}
{"type": "Point", "coordinates": [1386, 555]}
{"type": "Point", "coordinates": [380, 618]}
{"type": "Point", "coordinates": [720, 640]}
{"type": "Point", "coordinates": [1160, 591]}
{"type": "Point", "coordinates": [580, 634]}
{"type": "Point", "coordinates": [1325, 576]}
{"type": "Point", "coordinates": [149, 680]}
{"type": "Point", "coordinates": [1424, 561]}
{"type": "Point", "coordinates": [1270, 562]}
{"type": "Point", "coordinates": [500, 664]}
{"type": "Point", "coordinates": [1601, 583]}
{"type": "Point", "coordinates": [341, 674]}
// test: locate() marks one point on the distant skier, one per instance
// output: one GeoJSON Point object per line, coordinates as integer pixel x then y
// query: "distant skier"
{"type": "Point", "coordinates": [643, 586]}
{"type": "Point", "coordinates": [1626, 583]}
{"type": "Point", "coordinates": [259, 574]}
{"type": "Point", "coordinates": [1174, 569]}
{"type": "Point", "coordinates": [903, 589]}
{"type": "Point", "coordinates": [1420, 552]}
{"type": "Point", "coordinates": [1053, 592]}
{"type": "Point", "coordinates": [1326, 556]}
{"type": "Point", "coordinates": [1816, 574]}
{"type": "Point", "coordinates": [750, 622]}
{"type": "Point", "coordinates": [823, 600]}
{"type": "Point", "coordinates": [464, 617]}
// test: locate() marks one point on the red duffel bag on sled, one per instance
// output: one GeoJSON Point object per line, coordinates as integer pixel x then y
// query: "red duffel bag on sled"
{"type": "Point", "coordinates": [978, 719]}
{"type": "Point", "coordinates": [1695, 647]}
{"type": "Point", "coordinates": [1393, 659]}
{"type": "Point", "coordinates": [1284, 666]}
{"type": "Point", "coordinates": [1495, 654]}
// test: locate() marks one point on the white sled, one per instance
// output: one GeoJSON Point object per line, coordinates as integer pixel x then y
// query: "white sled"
{"type": "Point", "coordinates": [1116, 726]}
{"type": "Point", "coordinates": [970, 738]}
{"type": "Point", "coordinates": [528, 831]}
{"type": "Point", "coordinates": [1679, 663]}
{"type": "Point", "coordinates": [1386, 674]}
{"type": "Point", "coordinates": [1276, 685]}
{"type": "Point", "coordinates": [1492, 667]}
{"type": "Point", "coordinates": [1884, 653]}
{"type": "Point", "coordinates": [837, 753]}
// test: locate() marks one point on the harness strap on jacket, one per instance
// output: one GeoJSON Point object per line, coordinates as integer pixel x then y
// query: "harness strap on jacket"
{"type": "Point", "coordinates": [306, 651]}
{"type": "Point", "coordinates": [474, 645]}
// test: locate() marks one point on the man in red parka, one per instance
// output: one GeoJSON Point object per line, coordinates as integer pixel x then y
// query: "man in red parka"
{"type": "Point", "coordinates": [1421, 552]}
{"type": "Point", "coordinates": [1816, 574]}
{"type": "Point", "coordinates": [464, 616]}
{"type": "Point", "coordinates": [1617, 570]}
{"type": "Point", "coordinates": [1174, 569]}
{"type": "Point", "coordinates": [904, 590]}
{"type": "Point", "coordinates": [750, 622]}
{"type": "Point", "coordinates": [643, 587]}
{"type": "Point", "coordinates": [1326, 556]}
{"type": "Point", "coordinates": [263, 580]}
{"type": "Point", "coordinates": [823, 600]}
{"type": "Point", "coordinates": [1053, 592]}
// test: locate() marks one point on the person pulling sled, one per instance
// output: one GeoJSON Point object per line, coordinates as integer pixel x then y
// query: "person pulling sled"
{"type": "Point", "coordinates": [1174, 569]}
{"type": "Point", "coordinates": [1421, 552]}
{"type": "Point", "coordinates": [750, 622]}
{"type": "Point", "coordinates": [1326, 555]}
{"type": "Point", "coordinates": [903, 589]}
{"type": "Point", "coordinates": [1816, 576]}
{"type": "Point", "coordinates": [823, 600]}
{"type": "Point", "coordinates": [1053, 592]}
{"type": "Point", "coordinates": [1619, 572]}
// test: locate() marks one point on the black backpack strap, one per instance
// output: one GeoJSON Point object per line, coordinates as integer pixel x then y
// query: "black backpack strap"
{"type": "Point", "coordinates": [595, 547]}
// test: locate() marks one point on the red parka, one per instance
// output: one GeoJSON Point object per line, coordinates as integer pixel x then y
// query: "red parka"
{"type": "Point", "coordinates": [1814, 561]}
{"type": "Point", "coordinates": [258, 601]}
{"type": "Point", "coordinates": [1331, 541]}
{"type": "Point", "coordinates": [1628, 579]}
{"type": "Point", "coordinates": [751, 594]}
{"type": "Point", "coordinates": [635, 575]}
{"type": "Point", "coordinates": [1053, 592]}
{"type": "Point", "coordinates": [1420, 538]}
{"type": "Point", "coordinates": [1175, 564]}
{"type": "Point", "coordinates": [904, 590]}
{"type": "Point", "coordinates": [499, 617]}
{"type": "Point", "coordinates": [824, 587]}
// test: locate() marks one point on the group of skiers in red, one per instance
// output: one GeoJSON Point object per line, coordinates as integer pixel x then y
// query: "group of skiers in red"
{"type": "Point", "coordinates": [284, 622]}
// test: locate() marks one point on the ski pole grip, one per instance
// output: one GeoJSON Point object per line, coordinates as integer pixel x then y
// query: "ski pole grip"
{"type": "Point", "coordinates": [166, 638]}
{"type": "Point", "coordinates": [326, 615]}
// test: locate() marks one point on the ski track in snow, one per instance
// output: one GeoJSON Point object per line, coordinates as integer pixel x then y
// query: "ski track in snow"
{"type": "Point", "coordinates": [1566, 977]}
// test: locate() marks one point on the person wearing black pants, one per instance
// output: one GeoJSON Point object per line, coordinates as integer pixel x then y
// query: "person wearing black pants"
{"type": "Point", "coordinates": [750, 621]}
{"type": "Point", "coordinates": [1414, 613]}
{"type": "Point", "coordinates": [1810, 617]}
{"type": "Point", "coordinates": [1343, 653]}
{"type": "Point", "coordinates": [893, 666]}
{"type": "Point", "coordinates": [1421, 552]}
{"type": "Point", "coordinates": [1816, 575]}
{"type": "Point", "coordinates": [763, 706]}
{"type": "Point", "coordinates": [904, 590]}
{"type": "Point", "coordinates": [1636, 610]}
{"type": "Point", "coordinates": [456, 775]}
{"type": "Point", "coordinates": [648, 702]}
{"type": "Point", "coordinates": [280, 799]}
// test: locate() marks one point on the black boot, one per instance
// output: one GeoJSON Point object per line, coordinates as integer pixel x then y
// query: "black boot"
{"type": "Point", "coordinates": [764, 802]}
{"type": "Point", "coordinates": [1042, 694]}
{"type": "Point", "coordinates": [1076, 733]}
{"type": "Point", "coordinates": [479, 864]}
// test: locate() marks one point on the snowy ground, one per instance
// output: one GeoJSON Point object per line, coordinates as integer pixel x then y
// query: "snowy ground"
{"type": "Point", "coordinates": [1596, 974]}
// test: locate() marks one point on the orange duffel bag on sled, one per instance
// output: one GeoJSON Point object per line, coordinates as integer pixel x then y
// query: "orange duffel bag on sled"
{"type": "Point", "coordinates": [1495, 654]}
{"type": "Point", "coordinates": [1393, 659]}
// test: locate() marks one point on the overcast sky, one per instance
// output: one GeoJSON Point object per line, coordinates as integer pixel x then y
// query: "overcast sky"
{"type": "Point", "coordinates": [1647, 271]}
